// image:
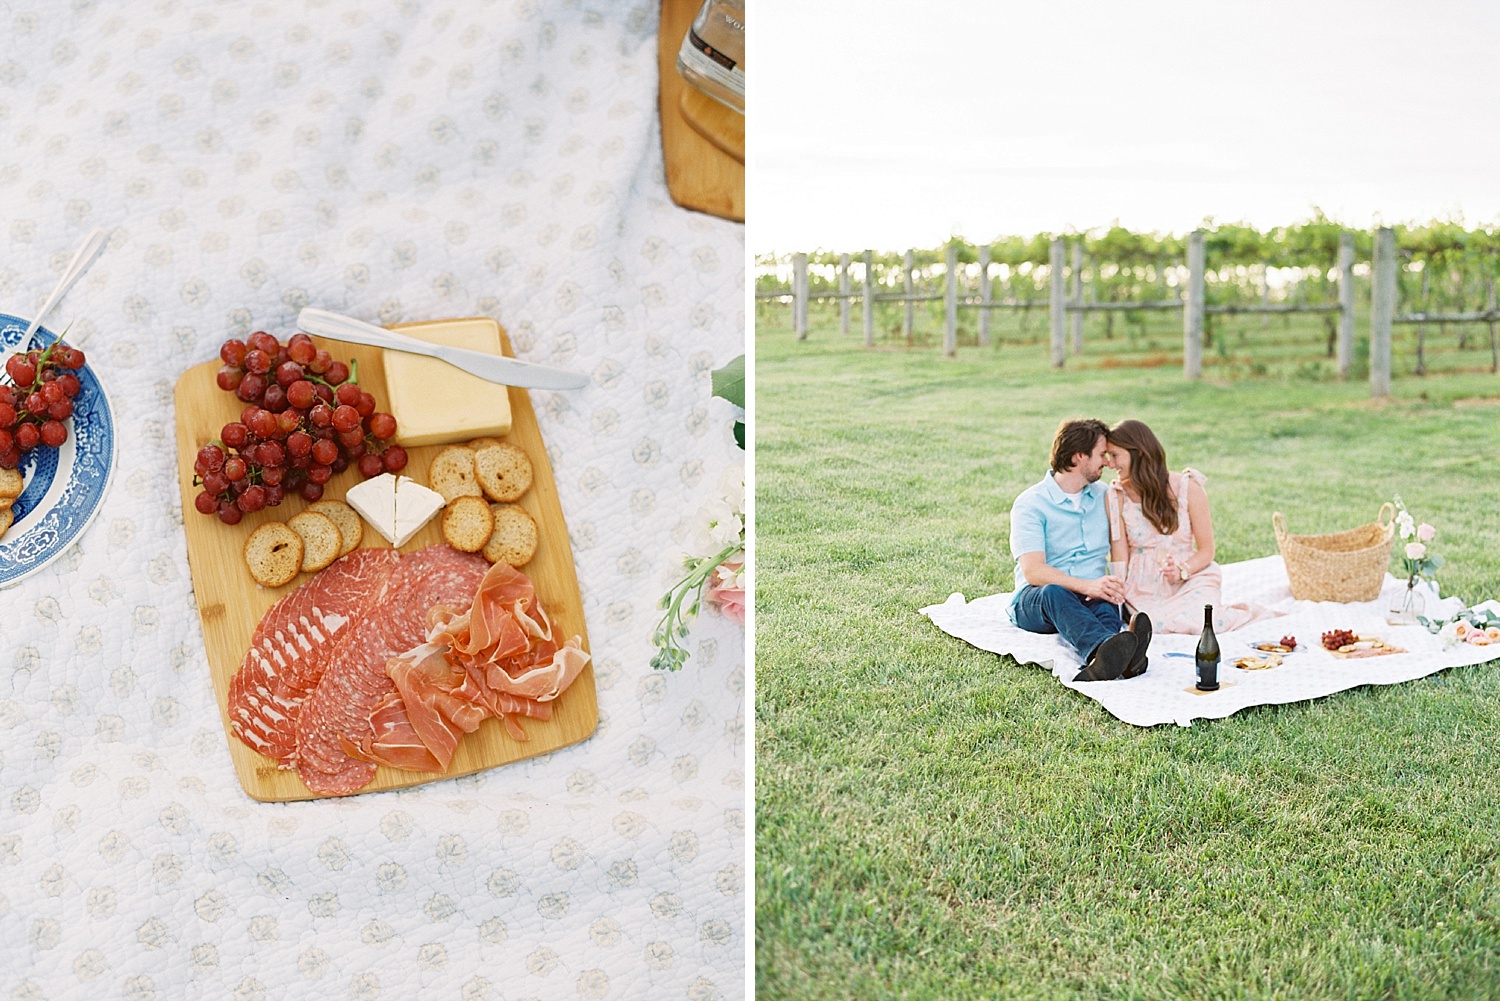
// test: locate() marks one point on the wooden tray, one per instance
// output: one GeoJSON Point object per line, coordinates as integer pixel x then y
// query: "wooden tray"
{"type": "Point", "coordinates": [700, 175]}
{"type": "Point", "coordinates": [230, 603]}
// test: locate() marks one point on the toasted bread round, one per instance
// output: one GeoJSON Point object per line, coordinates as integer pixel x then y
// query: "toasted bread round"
{"type": "Point", "coordinates": [7, 501]}
{"type": "Point", "coordinates": [350, 525]}
{"type": "Point", "coordinates": [274, 554]}
{"type": "Point", "coordinates": [452, 473]}
{"type": "Point", "coordinates": [467, 523]}
{"type": "Point", "coordinates": [7, 518]}
{"type": "Point", "coordinates": [10, 482]}
{"type": "Point", "coordinates": [479, 443]}
{"type": "Point", "coordinates": [503, 471]}
{"type": "Point", "coordinates": [514, 539]}
{"type": "Point", "coordinates": [320, 539]}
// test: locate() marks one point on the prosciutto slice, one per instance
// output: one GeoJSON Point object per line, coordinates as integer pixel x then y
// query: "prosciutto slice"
{"type": "Point", "coordinates": [506, 637]}
{"type": "Point", "coordinates": [496, 657]}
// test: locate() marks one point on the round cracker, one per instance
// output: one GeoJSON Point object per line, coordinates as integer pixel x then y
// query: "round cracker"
{"type": "Point", "coordinates": [514, 539]}
{"type": "Point", "coordinates": [11, 482]}
{"type": "Point", "coordinates": [452, 473]}
{"type": "Point", "coordinates": [320, 539]}
{"type": "Point", "coordinates": [351, 526]}
{"type": "Point", "coordinates": [467, 524]}
{"type": "Point", "coordinates": [7, 518]}
{"type": "Point", "coordinates": [274, 554]}
{"type": "Point", "coordinates": [503, 471]}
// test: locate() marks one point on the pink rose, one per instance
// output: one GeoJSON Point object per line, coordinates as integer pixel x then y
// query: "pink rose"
{"type": "Point", "coordinates": [727, 590]}
{"type": "Point", "coordinates": [1425, 532]}
{"type": "Point", "coordinates": [1415, 550]}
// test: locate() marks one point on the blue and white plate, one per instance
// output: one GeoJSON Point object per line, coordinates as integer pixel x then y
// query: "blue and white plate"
{"type": "Point", "coordinates": [63, 487]}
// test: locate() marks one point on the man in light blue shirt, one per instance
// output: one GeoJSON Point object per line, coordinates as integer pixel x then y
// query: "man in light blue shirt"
{"type": "Point", "coordinates": [1059, 535]}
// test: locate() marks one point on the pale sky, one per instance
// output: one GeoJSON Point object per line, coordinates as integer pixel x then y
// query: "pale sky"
{"type": "Point", "coordinates": [889, 124]}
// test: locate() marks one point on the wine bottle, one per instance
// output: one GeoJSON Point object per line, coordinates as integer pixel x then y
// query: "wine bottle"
{"type": "Point", "coordinates": [1207, 655]}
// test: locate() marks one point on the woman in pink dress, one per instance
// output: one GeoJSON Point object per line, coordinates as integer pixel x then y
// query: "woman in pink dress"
{"type": "Point", "coordinates": [1160, 529]}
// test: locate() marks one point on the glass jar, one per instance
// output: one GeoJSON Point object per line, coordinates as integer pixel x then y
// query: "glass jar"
{"type": "Point", "coordinates": [1406, 605]}
{"type": "Point", "coordinates": [712, 56]}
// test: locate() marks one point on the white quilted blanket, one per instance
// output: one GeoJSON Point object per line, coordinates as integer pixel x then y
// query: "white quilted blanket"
{"type": "Point", "coordinates": [395, 161]}
{"type": "Point", "coordinates": [1165, 693]}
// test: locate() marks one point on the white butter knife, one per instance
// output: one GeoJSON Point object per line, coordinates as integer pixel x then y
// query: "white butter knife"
{"type": "Point", "coordinates": [494, 368]}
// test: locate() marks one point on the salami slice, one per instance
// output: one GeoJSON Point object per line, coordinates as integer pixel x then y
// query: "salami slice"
{"type": "Point", "coordinates": [292, 645]}
{"type": "Point", "coordinates": [427, 578]}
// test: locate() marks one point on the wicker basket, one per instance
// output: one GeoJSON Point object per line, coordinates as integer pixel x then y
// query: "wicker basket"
{"type": "Point", "coordinates": [1344, 566]}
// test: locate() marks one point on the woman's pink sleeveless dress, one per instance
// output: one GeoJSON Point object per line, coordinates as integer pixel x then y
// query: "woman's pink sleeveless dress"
{"type": "Point", "coordinates": [1174, 606]}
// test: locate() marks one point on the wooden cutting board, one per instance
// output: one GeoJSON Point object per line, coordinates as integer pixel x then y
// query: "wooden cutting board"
{"type": "Point", "coordinates": [700, 174]}
{"type": "Point", "coordinates": [724, 127]}
{"type": "Point", "coordinates": [230, 603]}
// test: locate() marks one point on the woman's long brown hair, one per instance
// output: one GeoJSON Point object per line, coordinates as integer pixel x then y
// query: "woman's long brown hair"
{"type": "Point", "coordinates": [1148, 473]}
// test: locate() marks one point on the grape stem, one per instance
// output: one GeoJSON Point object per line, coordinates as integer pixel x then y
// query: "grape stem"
{"type": "Point", "coordinates": [312, 376]}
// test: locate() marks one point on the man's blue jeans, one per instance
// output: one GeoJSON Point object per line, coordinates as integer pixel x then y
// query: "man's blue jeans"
{"type": "Point", "coordinates": [1083, 622]}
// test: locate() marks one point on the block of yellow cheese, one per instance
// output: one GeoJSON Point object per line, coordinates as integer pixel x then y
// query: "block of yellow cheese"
{"type": "Point", "coordinates": [435, 403]}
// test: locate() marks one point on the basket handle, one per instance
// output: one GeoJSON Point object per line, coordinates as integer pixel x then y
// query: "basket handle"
{"type": "Point", "coordinates": [1278, 523]}
{"type": "Point", "coordinates": [1386, 509]}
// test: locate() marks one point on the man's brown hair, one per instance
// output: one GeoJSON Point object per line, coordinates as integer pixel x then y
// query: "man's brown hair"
{"type": "Point", "coordinates": [1075, 437]}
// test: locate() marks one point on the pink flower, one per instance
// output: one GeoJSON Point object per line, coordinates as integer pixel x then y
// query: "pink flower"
{"type": "Point", "coordinates": [1415, 550]}
{"type": "Point", "coordinates": [727, 589]}
{"type": "Point", "coordinates": [1425, 532]}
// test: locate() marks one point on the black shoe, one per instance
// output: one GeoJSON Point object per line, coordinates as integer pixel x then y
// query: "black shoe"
{"type": "Point", "coordinates": [1140, 626]}
{"type": "Point", "coordinates": [1109, 658]}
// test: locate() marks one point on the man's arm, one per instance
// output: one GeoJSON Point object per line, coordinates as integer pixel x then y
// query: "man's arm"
{"type": "Point", "coordinates": [1039, 573]}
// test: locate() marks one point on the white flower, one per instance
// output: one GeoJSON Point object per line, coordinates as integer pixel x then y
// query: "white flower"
{"type": "Point", "coordinates": [732, 488]}
{"type": "Point", "coordinates": [1449, 634]}
{"type": "Point", "coordinates": [1406, 524]}
{"type": "Point", "coordinates": [1415, 550]}
{"type": "Point", "coordinates": [721, 521]}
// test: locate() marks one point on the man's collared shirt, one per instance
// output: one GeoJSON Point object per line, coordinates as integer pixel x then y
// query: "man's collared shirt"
{"type": "Point", "coordinates": [1070, 530]}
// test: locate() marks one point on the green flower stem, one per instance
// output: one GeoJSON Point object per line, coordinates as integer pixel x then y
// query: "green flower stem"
{"type": "Point", "coordinates": [673, 625]}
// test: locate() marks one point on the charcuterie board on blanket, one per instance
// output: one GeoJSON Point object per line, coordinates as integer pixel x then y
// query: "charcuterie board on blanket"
{"type": "Point", "coordinates": [230, 602]}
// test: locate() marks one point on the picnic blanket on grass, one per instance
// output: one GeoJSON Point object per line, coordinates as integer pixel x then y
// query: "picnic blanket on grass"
{"type": "Point", "coordinates": [1165, 693]}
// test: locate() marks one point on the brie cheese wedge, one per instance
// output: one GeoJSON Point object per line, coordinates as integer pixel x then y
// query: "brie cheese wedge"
{"type": "Point", "coordinates": [415, 506]}
{"type": "Point", "coordinates": [395, 506]}
{"type": "Point", "coordinates": [375, 500]}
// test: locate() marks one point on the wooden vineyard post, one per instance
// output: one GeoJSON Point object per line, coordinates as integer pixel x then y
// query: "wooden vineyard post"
{"type": "Point", "coordinates": [1192, 309]}
{"type": "Point", "coordinates": [907, 263]}
{"type": "Point", "coordinates": [1422, 326]}
{"type": "Point", "coordinates": [1346, 304]}
{"type": "Point", "coordinates": [1265, 295]}
{"type": "Point", "coordinates": [799, 295]}
{"type": "Point", "coordinates": [1382, 311]}
{"type": "Point", "coordinates": [1057, 304]}
{"type": "Point", "coordinates": [869, 298]}
{"type": "Point", "coordinates": [1076, 319]}
{"type": "Point", "coordinates": [950, 304]}
{"type": "Point", "coordinates": [844, 293]}
{"type": "Point", "coordinates": [1489, 308]}
{"type": "Point", "coordinates": [986, 295]}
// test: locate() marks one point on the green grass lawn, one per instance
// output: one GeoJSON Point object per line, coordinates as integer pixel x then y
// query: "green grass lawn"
{"type": "Point", "coordinates": [934, 821]}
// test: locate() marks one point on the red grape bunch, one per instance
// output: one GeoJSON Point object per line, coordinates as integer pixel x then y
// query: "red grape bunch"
{"type": "Point", "coordinates": [305, 419]}
{"type": "Point", "coordinates": [34, 410]}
